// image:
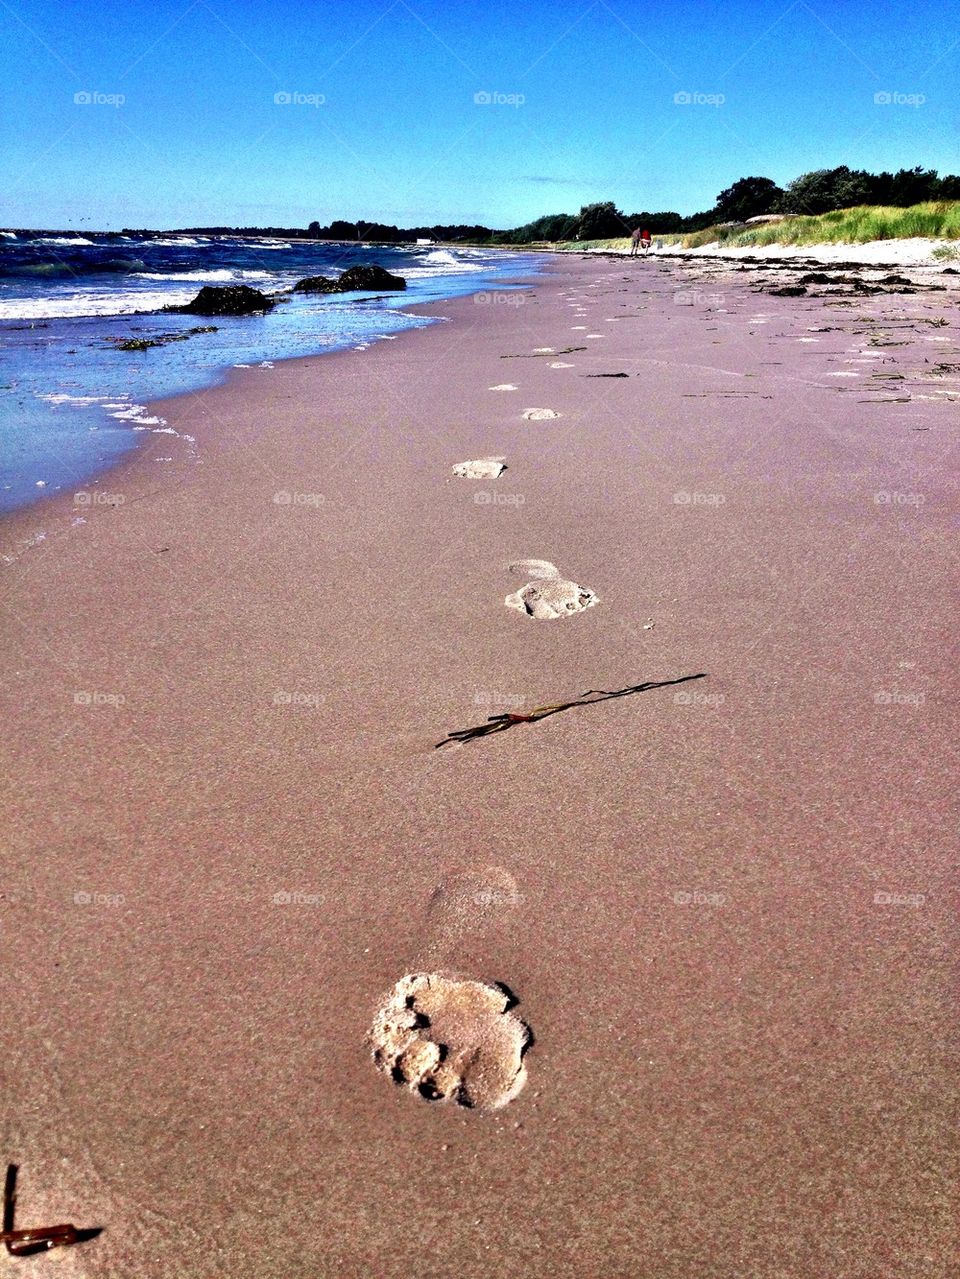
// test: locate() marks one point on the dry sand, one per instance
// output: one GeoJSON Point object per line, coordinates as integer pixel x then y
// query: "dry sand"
{"type": "Point", "coordinates": [723, 907]}
{"type": "Point", "coordinates": [910, 251]}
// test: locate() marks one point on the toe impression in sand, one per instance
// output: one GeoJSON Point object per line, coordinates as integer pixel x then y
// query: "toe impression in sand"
{"type": "Point", "coordinates": [481, 468]}
{"type": "Point", "coordinates": [450, 1039]}
{"type": "Point", "coordinates": [539, 415]}
{"type": "Point", "coordinates": [554, 597]}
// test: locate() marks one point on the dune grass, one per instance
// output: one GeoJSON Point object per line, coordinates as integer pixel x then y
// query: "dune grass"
{"type": "Point", "coordinates": [934, 219]}
{"type": "Point", "coordinates": [938, 219]}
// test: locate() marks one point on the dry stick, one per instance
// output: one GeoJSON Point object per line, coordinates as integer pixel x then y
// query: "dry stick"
{"type": "Point", "coordinates": [542, 355]}
{"type": "Point", "coordinates": [23, 1243]}
{"type": "Point", "coordinates": [497, 723]}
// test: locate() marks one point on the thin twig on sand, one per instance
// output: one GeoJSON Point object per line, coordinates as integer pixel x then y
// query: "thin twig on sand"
{"type": "Point", "coordinates": [592, 697]}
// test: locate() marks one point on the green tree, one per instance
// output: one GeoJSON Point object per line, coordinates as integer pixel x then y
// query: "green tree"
{"type": "Point", "coordinates": [747, 198]}
{"type": "Point", "coordinates": [600, 221]}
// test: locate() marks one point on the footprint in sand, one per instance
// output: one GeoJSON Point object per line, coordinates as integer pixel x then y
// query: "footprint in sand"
{"type": "Point", "coordinates": [539, 415]}
{"type": "Point", "coordinates": [547, 600]}
{"type": "Point", "coordinates": [451, 1039]}
{"type": "Point", "coordinates": [535, 568]}
{"type": "Point", "coordinates": [447, 1037]}
{"type": "Point", "coordinates": [481, 468]}
{"type": "Point", "coordinates": [467, 905]}
{"type": "Point", "coordinates": [548, 595]}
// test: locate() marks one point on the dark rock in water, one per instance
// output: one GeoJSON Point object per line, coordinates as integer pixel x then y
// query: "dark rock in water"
{"type": "Point", "coordinates": [315, 284]}
{"type": "Point", "coordinates": [161, 339]}
{"type": "Point", "coordinates": [950, 270]}
{"type": "Point", "coordinates": [371, 278]}
{"type": "Point", "coordinates": [227, 299]}
{"type": "Point", "coordinates": [815, 277]}
{"type": "Point", "coordinates": [789, 291]}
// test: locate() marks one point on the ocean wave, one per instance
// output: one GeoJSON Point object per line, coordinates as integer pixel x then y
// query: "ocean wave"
{"type": "Point", "coordinates": [62, 239]}
{"type": "Point", "coordinates": [430, 272]}
{"type": "Point", "coordinates": [440, 255]}
{"type": "Point", "coordinates": [8, 235]}
{"type": "Point", "coordinates": [62, 397]}
{"type": "Point", "coordinates": [79, 305]}
{"type": "Point", "coordinates": [213, 276]}
{"type": "Point", "coordinates": [65, 268]}
{"type": "Point", "coordinates": [445, 262]}
{"type": "Point", "coordinates": [37, 268]}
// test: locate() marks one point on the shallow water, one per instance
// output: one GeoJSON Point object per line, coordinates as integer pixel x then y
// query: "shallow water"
{"type": "Point", "coordinates": [71, 402]}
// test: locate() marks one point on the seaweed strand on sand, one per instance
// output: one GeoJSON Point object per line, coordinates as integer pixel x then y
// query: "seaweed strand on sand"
{"type": "Point", "coordinates": [592, 697]}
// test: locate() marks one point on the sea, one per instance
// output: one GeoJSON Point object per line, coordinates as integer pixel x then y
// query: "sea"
{"type": "Point", "coordinates": [72, 402]}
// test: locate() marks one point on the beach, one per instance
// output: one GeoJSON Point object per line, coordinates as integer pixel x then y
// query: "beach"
{"type": "Point", "coordinates": [723, 906]}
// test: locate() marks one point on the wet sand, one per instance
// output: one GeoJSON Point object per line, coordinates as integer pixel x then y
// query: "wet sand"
{"type": "Point", "coordinates": [724, 907]}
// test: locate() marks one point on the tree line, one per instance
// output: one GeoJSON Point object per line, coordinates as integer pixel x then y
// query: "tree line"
{"type": "Point", "coordinates": [819, 191]}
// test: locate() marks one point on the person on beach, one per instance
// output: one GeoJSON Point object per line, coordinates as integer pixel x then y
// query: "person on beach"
{"type": "Point", "coordinates": [634, 242]}
{"type": "Point", "coordinates": [645, 240]}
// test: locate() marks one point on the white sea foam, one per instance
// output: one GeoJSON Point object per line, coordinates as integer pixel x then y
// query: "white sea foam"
{"type": "Point", "coordinates": [135, 413]}
{"type": "Point", "coordinates": [211, 277]}
{"type": "Point", "coordinates": [92, 302]}
{"type": "Point", "coordinates": [61, 397]}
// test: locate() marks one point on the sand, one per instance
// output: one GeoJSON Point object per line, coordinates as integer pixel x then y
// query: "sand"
{"type": "Point", "coordinates": [909, 251]}
{"type": "Point", "coordinates": [723, 907]}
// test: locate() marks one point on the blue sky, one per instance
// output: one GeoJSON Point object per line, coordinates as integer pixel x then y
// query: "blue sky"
{"type": "Point", "coordinates": [382, 121]}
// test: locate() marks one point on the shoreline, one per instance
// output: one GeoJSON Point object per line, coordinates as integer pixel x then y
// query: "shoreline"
{"type": "Point", "coordinates": [723, 909]}
{"type": "Point", "coordinates": [915, 252]}
{"type": "Point", "coordinates": [207, 376]}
